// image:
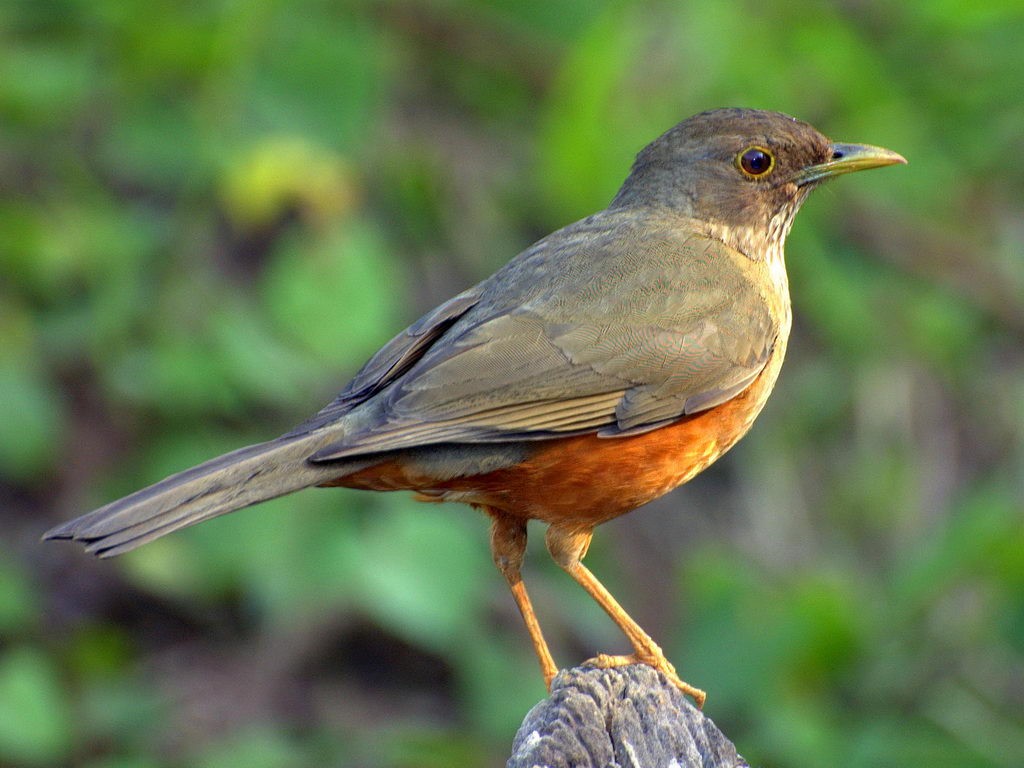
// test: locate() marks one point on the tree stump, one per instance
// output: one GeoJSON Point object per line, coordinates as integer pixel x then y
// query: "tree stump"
{"type": "Point", "coordinates": [628, 717]}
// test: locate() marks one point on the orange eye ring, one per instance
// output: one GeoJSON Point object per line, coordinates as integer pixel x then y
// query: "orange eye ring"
{"type": "Point", "coordinates": [755, 162]}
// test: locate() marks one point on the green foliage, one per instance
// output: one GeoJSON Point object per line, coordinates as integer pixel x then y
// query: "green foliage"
{"type": "Point", "coordinates": [253, 749]}
{"type": "Point", "coordinates": [36, 727]}
{"type": "Point", "coordinates": [212, 212]}
{"type": "Point", "coordinates": [30, 434]}
{"type": "Point", "coordinates": [18, 600]}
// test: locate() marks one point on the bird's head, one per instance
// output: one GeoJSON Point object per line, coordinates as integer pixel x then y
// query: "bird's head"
{"type": "Point", "coordinates": [743, 173]}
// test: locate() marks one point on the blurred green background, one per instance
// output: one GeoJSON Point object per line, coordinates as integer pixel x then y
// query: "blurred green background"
{"type": "Point", "coordinates": [212, 212]}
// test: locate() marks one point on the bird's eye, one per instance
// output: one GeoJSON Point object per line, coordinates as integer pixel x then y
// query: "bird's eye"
{"type": "Point", "coordinates": [755, 162]}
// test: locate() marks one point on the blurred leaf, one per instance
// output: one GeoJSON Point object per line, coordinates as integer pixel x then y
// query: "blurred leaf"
{"type": "Point", "coordinates": [727, 601]}
{"type": "Point", "coordinates": [253, 748]}
{"type": "Point", "coordinates": [419, 572]}
{"type": "Point", "coordinates": [984, 535]}
{"type": "Point", "coordinates": [18, 600]}
{"type": "Point", "coordinates": [565, 18]}
{"type": "Point", "coordinates": [426, 749]}
{"type": "Point", "coordinates": [342, 68]}
{"type": "Point", "coordinates": [823, 629]}
{"type": "Point", "coordinates": [178, 373]}
{"type": "Point", "coordinates": [800, 733]}
{"type": "Point", "coordinates": [261, 366]}
{"type": "Point", "coordinates": [277, 174]}
{"type": "Point", "coordinates": [834, 291]}
{"type": "Point", "coordinates": [586, 150]}
{"type": "Point", "coordinates": [335, 294]}
{"type": "Point", "coordinates": [136, 761]}
{"type": "Point", "coordinates": [122, 709]}
{"type": "Point", "coordinates": [45, 82]}
{"type": "Point", "coordinates": [137, 149]}
{"type": "Point", "coordinates": [36, 727]}
{"type": "Point", "coordinates": [940, 327]}
{"type": "Point", "coordinates": [100, 652]}
{"type": "Point", "coordinates": [494, 661]}
{"type": "Point", "coordinates": [30, 424]}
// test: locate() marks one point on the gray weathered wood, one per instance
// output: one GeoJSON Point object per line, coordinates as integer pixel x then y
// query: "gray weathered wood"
{"type": "Point", "coordinates": [629, 717]}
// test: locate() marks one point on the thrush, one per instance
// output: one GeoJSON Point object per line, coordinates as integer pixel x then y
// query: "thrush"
{"type": "Point", "coordinates": [600, 368]}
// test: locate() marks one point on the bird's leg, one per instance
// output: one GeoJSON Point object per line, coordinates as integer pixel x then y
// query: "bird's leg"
{"type": "Point", "coordinates": [568, 547]}
{"type": "Point", "coordinates": [508, 543]}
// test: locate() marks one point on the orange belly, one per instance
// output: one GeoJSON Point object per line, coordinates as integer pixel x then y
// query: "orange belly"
{"type": "Point", "coordinates": [585, 479]}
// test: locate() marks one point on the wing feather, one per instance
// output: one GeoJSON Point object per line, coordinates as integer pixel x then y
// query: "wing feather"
{"type": "Point", "coordinates": [614, 329]}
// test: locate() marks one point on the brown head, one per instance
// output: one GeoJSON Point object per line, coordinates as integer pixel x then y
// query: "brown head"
{"type": "Point", "coordinates": [743, 173]}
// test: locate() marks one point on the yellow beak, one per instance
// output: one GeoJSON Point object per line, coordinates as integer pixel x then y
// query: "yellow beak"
{"type": "Point", "coordinates": [847, 158]}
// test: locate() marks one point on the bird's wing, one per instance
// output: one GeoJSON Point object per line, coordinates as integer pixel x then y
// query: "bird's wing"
{"type": "Point", "coordinates": [627, 331]}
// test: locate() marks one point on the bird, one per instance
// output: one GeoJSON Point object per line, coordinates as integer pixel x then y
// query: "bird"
{"type": "Point", "coordinates": [603, 366]}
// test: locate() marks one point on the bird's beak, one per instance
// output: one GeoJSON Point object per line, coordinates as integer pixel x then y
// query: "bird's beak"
{"type": "Point", "coordinates": [847, 158]}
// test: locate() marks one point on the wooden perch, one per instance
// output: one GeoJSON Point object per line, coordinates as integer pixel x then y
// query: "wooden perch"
{"type": "Point", "coordinates": [629, 717]}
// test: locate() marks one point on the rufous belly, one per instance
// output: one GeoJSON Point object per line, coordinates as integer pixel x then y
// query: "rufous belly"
{"type": "Point", "coordinates": [585, 480]}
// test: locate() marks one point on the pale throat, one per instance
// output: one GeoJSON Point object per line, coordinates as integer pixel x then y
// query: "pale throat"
{"type": "Point", "coordinates": [763, 242]}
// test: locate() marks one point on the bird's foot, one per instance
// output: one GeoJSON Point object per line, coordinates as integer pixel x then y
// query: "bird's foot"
{"type": "Point", "coordinates": [656, 660]}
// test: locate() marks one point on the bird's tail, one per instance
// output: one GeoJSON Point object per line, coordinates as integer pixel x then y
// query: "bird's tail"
{"type": "Point", "coordinates": [216, 487]}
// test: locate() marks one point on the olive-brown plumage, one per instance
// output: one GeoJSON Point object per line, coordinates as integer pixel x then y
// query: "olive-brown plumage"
{"type": "Point", "coordinates": [599, 369]}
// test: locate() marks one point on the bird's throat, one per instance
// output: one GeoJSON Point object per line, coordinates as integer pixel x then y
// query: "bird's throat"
{"type": "Point", "coordinates": [760, 243]}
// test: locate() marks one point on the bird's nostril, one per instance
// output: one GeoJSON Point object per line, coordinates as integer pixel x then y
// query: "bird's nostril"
{"type": "Point", "coordinates": [837, 154]}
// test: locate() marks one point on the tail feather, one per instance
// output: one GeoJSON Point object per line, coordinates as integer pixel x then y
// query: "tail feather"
{"type": "Point", "coordinates": [229, 482]}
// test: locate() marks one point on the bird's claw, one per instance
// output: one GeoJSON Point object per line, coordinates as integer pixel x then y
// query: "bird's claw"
{"type": "Point", "coordinates": [656, 661]}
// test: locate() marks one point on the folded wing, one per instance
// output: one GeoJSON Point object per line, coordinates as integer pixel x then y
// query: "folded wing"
{"type": "Point", "coordinates": [632, 328]}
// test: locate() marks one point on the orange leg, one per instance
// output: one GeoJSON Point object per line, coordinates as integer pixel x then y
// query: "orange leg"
{"type": "Point", "coordinates": [568, 547]}
{"type": "Point", "coordinates": [508, 543]}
